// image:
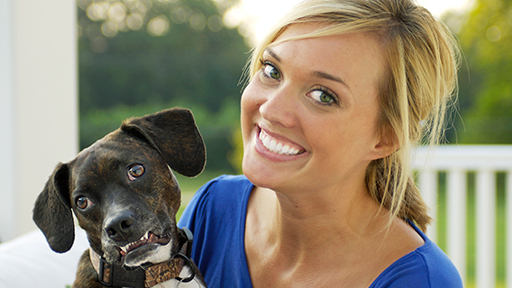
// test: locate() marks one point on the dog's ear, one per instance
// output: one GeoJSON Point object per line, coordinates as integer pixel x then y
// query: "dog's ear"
{"type": "Point", "coordinates": [174, 134]}
{"type": "Point", "coordinates": [52, 211]}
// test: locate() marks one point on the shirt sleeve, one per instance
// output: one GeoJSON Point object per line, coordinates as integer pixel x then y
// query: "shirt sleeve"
{"type": "Point", "coordinates": [188, 218]}
{"type": "Point", "coordinates": [427, 267]}
{"type": "Point", "coordinates": [194, 216]}
{"type": "Point", "coordinates": [216, 217]}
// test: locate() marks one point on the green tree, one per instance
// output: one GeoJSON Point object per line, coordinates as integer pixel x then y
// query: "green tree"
{"type": "Point", "coordinates": [485, 79]}
{"type": "Point", "coordinates": [141, 56]}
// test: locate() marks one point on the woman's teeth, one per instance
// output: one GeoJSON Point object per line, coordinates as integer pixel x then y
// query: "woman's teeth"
{"type": "Point", "coordinates": [277, 147]}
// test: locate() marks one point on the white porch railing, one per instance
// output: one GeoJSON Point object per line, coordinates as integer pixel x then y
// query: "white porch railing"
{"type": "Point", "coordinates": [456, 161]}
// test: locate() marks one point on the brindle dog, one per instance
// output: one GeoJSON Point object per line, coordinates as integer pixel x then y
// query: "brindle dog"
{"type": "Point", "coordinates": [124, 195]}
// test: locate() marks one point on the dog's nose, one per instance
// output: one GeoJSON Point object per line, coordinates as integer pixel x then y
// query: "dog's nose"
{"type": "Point", "coordinates": [119, 226]}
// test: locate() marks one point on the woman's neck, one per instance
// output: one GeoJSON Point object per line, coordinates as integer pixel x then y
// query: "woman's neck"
{"type": "Point", "coordinates": [296, 226]}
{"type": "Point", "coordinates": [288, 239]}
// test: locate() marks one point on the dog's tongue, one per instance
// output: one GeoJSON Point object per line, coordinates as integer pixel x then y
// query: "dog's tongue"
{"type": "Point", "coordinates": [152, 238]}
{"type": "Point", "coordinates": [160, 240]}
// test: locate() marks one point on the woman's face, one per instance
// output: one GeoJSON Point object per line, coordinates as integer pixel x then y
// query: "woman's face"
{"type": "Point", "coordinates": [309, 116]}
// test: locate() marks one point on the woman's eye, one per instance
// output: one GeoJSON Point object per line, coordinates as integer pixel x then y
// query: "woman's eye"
{"type": "Point", "coordinates": [135, 171]}
{"type": "Point", "coordinates": [322, 96]}
{"type": "Point", "coordinates": [271, 72]}
{"type": "Point", "coordinates": [83, 202]}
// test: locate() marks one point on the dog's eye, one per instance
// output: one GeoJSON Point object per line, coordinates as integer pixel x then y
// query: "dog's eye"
{"type": "Point", "coordinates": [83, 202]}
{"type": "Point", "coordinates": [135, 171]}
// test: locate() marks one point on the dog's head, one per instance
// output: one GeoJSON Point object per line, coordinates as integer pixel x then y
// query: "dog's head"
{"type": "Point", "coordinates": [122, 191]}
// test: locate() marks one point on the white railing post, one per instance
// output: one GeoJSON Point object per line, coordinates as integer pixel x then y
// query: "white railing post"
{"type": "Point", "coordinates": [486, 160]}
{"type": "Point", "coordinates": [485, 228]}
{"type": "Point", "coordinates": [427, 184]}
{"type": "Point", "coordinates": [456, 222]}
{"type": "Point", "coordinates": [38, 103]}
{"type": "Point", "coordinates": [508, 196]}
{"type": "Point", "coordinates": [7, 128]}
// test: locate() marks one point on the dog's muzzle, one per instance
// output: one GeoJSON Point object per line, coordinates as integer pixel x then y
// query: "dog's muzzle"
{"type": "Point", "coordinates": [147, 275]}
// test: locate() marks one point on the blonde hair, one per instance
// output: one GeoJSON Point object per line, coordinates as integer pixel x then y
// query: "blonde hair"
{"type": "Point", "coordinates": [422, 62]}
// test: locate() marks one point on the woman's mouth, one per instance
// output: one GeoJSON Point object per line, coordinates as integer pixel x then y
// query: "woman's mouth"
{"type": "Point", "coordinates": [274, 145]}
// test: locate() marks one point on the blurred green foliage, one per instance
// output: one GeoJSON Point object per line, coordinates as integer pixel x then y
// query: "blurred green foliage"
{"type": "Point", "coordinates": [216, 128]}
{"type": "Point", "coordinates": [141, 56]}
{"type": "Point", "coordinates": [485, 80]}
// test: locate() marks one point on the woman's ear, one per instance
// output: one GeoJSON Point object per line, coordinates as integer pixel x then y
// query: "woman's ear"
{"type": "Point", "coordinates": [387, 145]}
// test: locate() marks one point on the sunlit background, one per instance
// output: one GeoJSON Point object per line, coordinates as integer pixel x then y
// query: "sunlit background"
{"type": "Point", "coordinates": [254, 17]}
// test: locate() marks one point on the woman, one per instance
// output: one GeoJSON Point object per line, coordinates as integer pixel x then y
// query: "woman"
{"type": "Point", "coordinates": [339, 92]}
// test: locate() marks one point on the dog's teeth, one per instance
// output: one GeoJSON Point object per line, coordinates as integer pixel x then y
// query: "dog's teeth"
{"type": "Point", "coordinates": [127, 247]}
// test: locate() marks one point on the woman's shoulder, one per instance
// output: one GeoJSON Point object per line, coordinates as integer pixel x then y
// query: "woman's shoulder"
{"type": "Point", "coordinates": [428, 266]}
{"type": "Point", "coordinates": [216, 217]}
{"type": "Point", "coordinates": [218, 206]}
{"type": "Point", "coordinates": [220, 197]}
{"type": "Point", "coordinates": [230, 180]}
{"type": "Point", "coordinates": [223, 188]}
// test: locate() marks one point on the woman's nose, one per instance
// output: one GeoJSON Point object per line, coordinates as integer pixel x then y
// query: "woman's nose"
{"type": "Point", "coordinates": [280, 106]}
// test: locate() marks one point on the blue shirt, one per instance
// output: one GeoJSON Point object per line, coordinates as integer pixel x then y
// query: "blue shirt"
{"type": "Point", "coordinates": [216, 215]}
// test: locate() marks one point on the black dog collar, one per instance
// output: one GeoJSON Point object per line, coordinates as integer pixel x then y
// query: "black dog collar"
{"type": "Point", "coordinates": [148, 275]}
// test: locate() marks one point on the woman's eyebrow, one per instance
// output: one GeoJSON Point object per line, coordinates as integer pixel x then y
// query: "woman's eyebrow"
{"type": "Point", "coordinates": [328, 76]}
{"type": "Point", "coordinates": [272, 53]}
{"type": "Point", "coordinates": [318, 74]}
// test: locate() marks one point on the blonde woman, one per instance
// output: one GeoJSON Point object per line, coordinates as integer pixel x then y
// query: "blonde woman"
{"type": "Point", "coordinates": [339, 93]}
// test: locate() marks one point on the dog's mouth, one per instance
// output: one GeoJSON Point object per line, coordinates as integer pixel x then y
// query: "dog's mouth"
{"type": "Point", "coordinates": [148, 238]}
